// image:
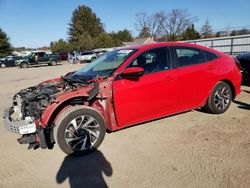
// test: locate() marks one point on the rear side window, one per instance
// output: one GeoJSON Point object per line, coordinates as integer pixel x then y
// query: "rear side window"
{"type": "Point", "coordinates": [188, 56]}
{"type": "Point", "coordinates": [87, 53]}
{"type": "Point", "coordinates": [41, 54]}
{"type": "Point", "coordinates": [210, 56]}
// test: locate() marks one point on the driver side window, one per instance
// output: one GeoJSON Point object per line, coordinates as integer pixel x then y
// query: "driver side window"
{"type": "Point", "coordinates": [154, 60]}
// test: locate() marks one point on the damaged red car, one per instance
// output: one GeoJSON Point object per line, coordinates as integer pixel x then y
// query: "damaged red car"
{"type": "Point", "coordinates": [122, 88]}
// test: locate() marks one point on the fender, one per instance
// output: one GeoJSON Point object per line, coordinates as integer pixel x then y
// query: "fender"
{"type": "Point", "coordinates": [59, 100]}
{"type": "Point", "coordinates": [53, 59]}
{"type": "Point", "coordinates": [102, 102]}
{"type": "Point", "coordinates": [24, 61]}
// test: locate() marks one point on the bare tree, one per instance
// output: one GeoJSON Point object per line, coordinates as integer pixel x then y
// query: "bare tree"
{"type": "Point", "coordinates": [161, 24]}
{"type": "Point", "coordinates": [177, 21]}
{"type": "Point", "coordinates": [206, 30]}
{"type": "Point", "coordinates": [152, 24]}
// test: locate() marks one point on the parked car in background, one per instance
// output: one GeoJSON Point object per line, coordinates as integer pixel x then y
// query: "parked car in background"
{"type": "Point", "coordinates": [244, 60]}
{"type": "Point", "coordinates": [127, 86]}
{"type": "Point", "coordinates": [87, 56]}
{"type": "Point", "coordinates": [101, 52]}
{"type": "Point", "coordinates": [37, 58]}
{"type": "Point", "coordinates": [63, 56]}
{"type": "Point", "coordinates": [9, 61]}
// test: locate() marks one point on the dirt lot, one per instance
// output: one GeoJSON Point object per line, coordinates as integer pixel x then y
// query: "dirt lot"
{"type": "Point", "coordinates": [192, 149]}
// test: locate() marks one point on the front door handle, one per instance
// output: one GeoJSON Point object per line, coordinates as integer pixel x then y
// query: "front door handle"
{"type": "Point", "coordinates": [169, 78]}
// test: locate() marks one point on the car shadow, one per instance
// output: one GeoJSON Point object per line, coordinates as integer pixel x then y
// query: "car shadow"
{"type": "Point", "coordinates": [242, 105]}
{"type": "Point", "coordinates": [44, 65]}
{"type": "Point", "coordinates": [246, 83]}
{"type": "Point", "coordinates": [85, 171]}
{"type": "Point", "coordinates": [246, 91]}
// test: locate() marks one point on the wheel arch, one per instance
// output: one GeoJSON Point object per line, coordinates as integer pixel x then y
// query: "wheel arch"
{"type": "Point", "coordinates": [63, 106]}
{"type": "Point", "coordinates": [79, 100]}
{"type": "Point", "coordinates": [222, 80]}
{"type": "Point", "coordinates": [24, 61]}
{"type": "Point", "coordinates": [231, 86]}
{"type": "Point", "coordinates": [53, 59]}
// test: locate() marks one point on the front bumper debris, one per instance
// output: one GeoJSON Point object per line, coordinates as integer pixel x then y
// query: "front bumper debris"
{"type": "Point", "coordinates": [22, 127]}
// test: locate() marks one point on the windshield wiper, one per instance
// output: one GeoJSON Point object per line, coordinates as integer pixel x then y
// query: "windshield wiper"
{"type": "Point", "coordinates": [73, 80]}
{"type": "Point", "coordinates": [80, 78]}
{"type": "Point", "coordinates": [68, 81]}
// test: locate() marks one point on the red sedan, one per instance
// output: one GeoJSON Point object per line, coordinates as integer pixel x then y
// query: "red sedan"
{"type": "Point", "coordinates": [122, 88]}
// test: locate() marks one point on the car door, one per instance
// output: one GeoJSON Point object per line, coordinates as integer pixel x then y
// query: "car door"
{"type": "Point", "coordinates": [84, 56]}
{"type": "Point", "coordinates": [9, 61]}
{"type": "Point", "coordinates": [41, 57]}
{"type": "Point", "coordinates": [152, 95]}
{"type": "Point", "coordinates": [195, 76]}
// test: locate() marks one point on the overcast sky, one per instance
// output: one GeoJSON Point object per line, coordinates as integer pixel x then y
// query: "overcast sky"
{"type": "Point", "coordinates": [33, 23]}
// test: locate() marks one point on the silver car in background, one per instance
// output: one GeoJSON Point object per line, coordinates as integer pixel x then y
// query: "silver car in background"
{"type": "Point", "coordinates": [87, 56]}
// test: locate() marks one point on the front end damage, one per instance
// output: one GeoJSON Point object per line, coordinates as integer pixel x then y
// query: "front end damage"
{"type": "Point", "coordinates": [34, 110]}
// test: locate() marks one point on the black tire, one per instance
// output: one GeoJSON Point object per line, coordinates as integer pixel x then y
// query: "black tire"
{"type": "Point", "coordinates": [220, 99]}
{"type": "Point", "coordinates": [24, 65]}
{"type": "Point", "coordinates": [82, 136]}
{"type": "Point", "coordinates": [3, 65]}
{"type": "Point", "coordinates": [53, 63]}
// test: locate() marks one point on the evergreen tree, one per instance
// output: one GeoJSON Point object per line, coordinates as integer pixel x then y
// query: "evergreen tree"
{"type": "Point", "coordinates": [217, 34]}
{"type": "Point", "coordinates": [243, 31]}
{"type": "Point", "coordinates": [206, 30]}
{"type": "Point", "coordinates": [84, 27]}
{"type": "Point", "coordinates": [173, 37]}
{"type": "Point", "coordinates": [124, 35]}
{"type": "Point", "coordinates": [233, 33]}
{"type": "Point", "coordinates": [104, 40]}
{"type": "Point", "coordinates": [59, 46]}
{"type": "Point", "coordinates": [5, 47]}
{"type": "Point", "coordinates": [121, 36]}
{"type": "Point", "coordinates": [190, 33]}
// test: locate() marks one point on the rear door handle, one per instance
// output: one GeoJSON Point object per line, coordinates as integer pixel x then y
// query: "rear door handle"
{"type": "Point", "coordinates": [211, 67]}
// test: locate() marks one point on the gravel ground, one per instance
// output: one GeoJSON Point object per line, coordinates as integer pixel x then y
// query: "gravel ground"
{"type": "Point", "coordinates": [192, 149]}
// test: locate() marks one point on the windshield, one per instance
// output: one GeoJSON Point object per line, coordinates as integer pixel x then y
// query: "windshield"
{"type": "Point", "coordinates": [29, 55]}
{"type": "Point", "coordinates": [106, 64]}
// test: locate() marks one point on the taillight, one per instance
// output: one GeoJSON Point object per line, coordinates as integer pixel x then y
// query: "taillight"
{"type": "Point", "coordinates": [237, 63]}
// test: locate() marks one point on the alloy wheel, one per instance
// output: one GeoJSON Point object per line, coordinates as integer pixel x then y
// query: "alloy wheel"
{"type": "Point", "coordinates": [222, 98]}
{"type": "Point", "coordinates": [82, 133]}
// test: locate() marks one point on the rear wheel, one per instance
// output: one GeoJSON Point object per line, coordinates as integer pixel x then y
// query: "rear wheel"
{"type": "Point", "coordinates": [80, 130]}
{"type": "Point", "coordinates": [220, 99]}
{"type": "Point", "coordinates": [53, 62]}
{"type": "Point", "coordinates": [24, 65]}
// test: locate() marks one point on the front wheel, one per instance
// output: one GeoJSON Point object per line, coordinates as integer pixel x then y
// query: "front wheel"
{"type": "Point", "coordinates": [80, 130]}
{"type": "Point", "coordinates": [220, 99]}
{"type": "Point", "coordinates": [24, 65]}
{"type": "Point", "coordinates": [3, 65]}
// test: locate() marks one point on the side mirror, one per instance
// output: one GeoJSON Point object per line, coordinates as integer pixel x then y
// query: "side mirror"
{"type": "Point", "coordinates": [132, 72]}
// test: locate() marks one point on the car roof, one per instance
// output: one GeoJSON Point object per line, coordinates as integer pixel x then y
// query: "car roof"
{"type": "Point", "coordinates": [162, 44]}
{"type": "Point", "coordinates": [88, 52]}
{"type": "Point", "coordinates": [244, 56]}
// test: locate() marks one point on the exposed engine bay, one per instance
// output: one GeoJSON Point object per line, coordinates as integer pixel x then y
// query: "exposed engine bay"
{"type": "Point", "coordinates": [32, 101]}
